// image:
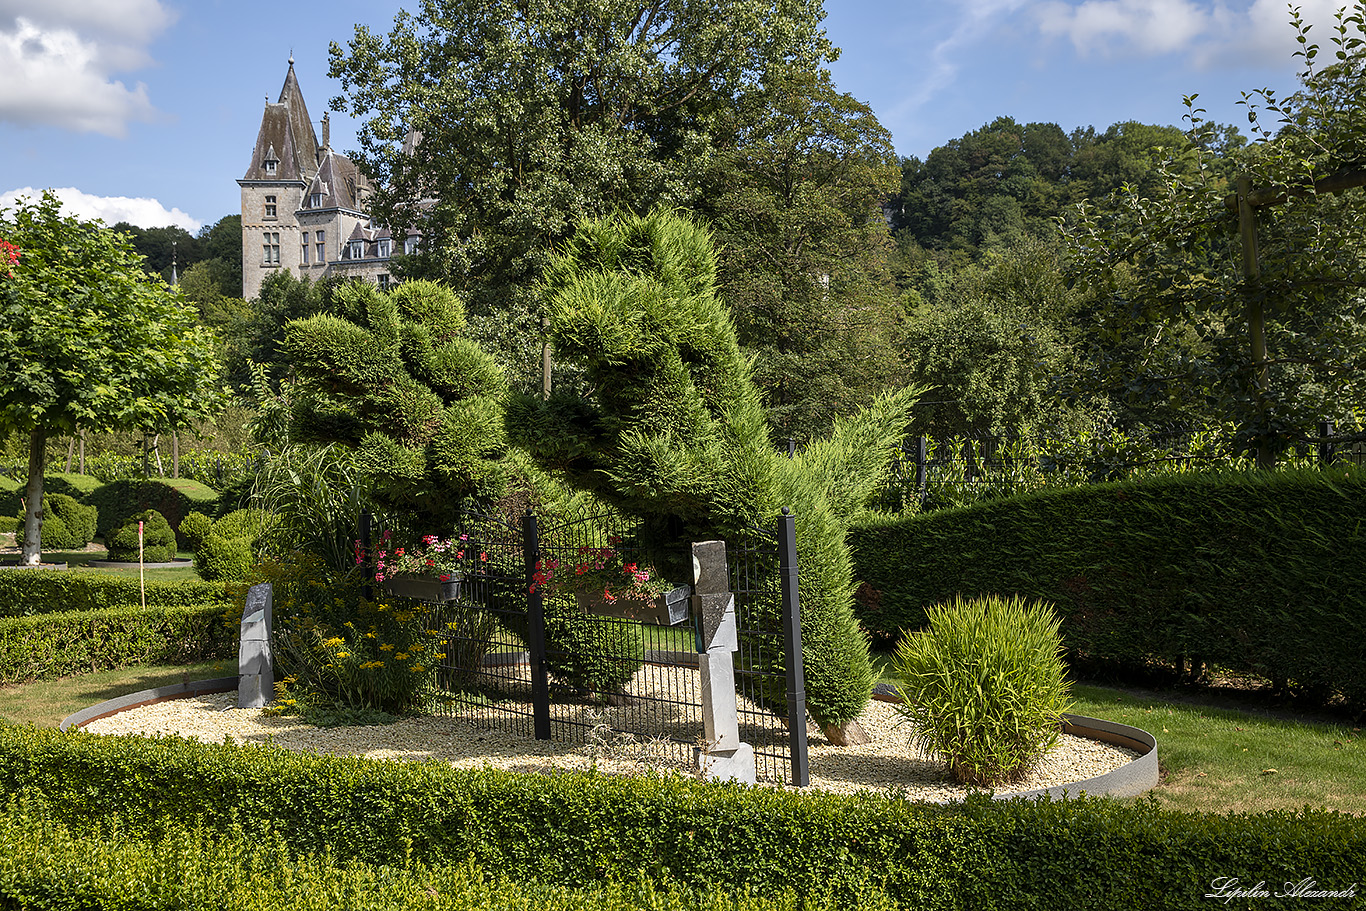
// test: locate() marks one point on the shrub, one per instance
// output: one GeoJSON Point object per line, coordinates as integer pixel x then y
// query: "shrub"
{"type": "Point", "coordinates": [48, 646]}
{"type": "Point", "coordinates": [80, 520]}
{"type": "Point", "coordinates": [43, 591]}
{"type": "Point", "coordinates": [158, 540]}
{"type": "Point", "coordinates": [221, 559]}
{"type": "Point", "coordinates": [67, 525]}
{"type": "Point", "coordinates": [983, 686]}
{"type": "Point", "coordinates": [119, 501]}
{"type": "Point", "coordinates": [9, 525]}
{"type": "Point", "coordinates": [193, 529]}
{"type": "Point", "coordinates": [77, 486]}
{"type": "Point", "coordinates": [228, 551]}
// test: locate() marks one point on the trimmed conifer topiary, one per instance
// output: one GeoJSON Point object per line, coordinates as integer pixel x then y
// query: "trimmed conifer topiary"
{"type": "Point", "coordinates": [67, 525]}
{"type": "Point", "coordinates": [158, 540]}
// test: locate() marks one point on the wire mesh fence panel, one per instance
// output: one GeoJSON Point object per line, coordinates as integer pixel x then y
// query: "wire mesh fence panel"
{"type": "Point", "coordinates": [761, 664]}
{"type": "Point", "coordinates": [620, 676]}
{"type": "Point", "coordinates": [619, 672]}
{"type": "Point", "coordinates": [485, 676]}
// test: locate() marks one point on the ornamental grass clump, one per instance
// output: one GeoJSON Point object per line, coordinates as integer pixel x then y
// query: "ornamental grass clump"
{"type": "Point", "coordinates": [983, 685]}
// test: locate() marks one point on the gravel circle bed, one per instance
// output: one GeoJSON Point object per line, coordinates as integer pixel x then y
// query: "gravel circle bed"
{"type": "Point", "coordinates": [888, 764]}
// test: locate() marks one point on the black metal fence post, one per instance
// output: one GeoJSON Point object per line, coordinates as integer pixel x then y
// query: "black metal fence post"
{"type": "Point", "coordinates": [792, 642]}
{"type": "Point", "coordinates": [922, 462]}
{"type": "Point", "coordinates": [535, 624]}
{"type": "Point", "coordinates": [1326, 449]}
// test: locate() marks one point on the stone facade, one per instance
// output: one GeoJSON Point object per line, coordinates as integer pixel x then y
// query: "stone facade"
{"type": "Point", "coordinates": [304, 205]}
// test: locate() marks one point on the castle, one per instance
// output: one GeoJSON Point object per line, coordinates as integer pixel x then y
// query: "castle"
{"type": "Point", "coordinates": [304, 204]}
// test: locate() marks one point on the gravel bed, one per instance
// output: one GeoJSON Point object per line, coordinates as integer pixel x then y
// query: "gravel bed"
{"type": "Point", "coordinates": [887, 764]}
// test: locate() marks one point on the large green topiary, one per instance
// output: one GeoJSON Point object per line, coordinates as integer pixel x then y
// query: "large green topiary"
{"type": "Point", "coordinates": [673, 432]}
{"type": "Point", "coordinates": [158, 540]}
{"type": "Point", "coordinates": [67, 525]}
{"type": "Point", "coordinates": [394, 377]}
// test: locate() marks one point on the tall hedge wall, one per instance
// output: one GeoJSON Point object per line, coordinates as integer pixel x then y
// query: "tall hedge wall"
{"type": "Point", "coordinates": [1257, 572]}
{"type": "Point", "coordinates": [25, 592]}
{"type": "Point", "coordinates": [581, 829]}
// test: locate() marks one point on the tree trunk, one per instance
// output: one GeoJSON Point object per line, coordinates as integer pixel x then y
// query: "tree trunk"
{"type": "Point", "coordinates": [32, 553]}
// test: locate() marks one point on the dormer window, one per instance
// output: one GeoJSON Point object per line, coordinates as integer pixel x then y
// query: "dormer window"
{"type": "Point", "coordinates": [355, 249]}
{"type": "Point", "coordinates": [315, 201]}
{"type": "Point", "coordinates": [270, 165]}
{"type": "Point", "coordinates": [270, 207]}
{"type": "Point", "coordinates": [384, 248]}
{"type": "Point", "coordinates": [410, 245]}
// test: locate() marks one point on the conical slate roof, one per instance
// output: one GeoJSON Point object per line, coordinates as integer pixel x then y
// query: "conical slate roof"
{"type": "Point", "coordinates": [286, 136]}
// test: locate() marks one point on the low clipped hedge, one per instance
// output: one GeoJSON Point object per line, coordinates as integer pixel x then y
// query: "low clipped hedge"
{"type": "Point", "coordinates": [47, 865]}
{"type": "Point", "coordinates": [47, 646]}
{"type": "Point", "coordinates": [1262, 573]}
{"type": "Point", "coordinates": [578, 829]}
{"type": "Point", "coordinates": [42, 591]}
{"type": "Point", "coordinates": [119, 501]}
{"type": "Point", "coordinates": [76, 486]}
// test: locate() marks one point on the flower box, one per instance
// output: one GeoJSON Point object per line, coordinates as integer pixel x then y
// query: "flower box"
{"type": "Point", "coordinates": [668, 609]}
{"type": "Point", "coordinates": [423, 588]}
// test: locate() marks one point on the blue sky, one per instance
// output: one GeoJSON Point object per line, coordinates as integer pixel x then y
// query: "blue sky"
{"type": "Point", "coordinates": [146, 110]}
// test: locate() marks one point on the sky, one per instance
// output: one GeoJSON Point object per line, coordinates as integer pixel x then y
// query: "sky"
{"type": "Point", "coordinates": [146, 111]}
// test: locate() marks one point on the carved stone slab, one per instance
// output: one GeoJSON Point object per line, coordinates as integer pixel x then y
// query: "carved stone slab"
{"type": "Point", "coordinates": [715, 622]}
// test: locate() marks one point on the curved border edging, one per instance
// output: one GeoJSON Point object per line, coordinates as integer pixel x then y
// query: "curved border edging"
{"type": "Point", "coordinates": [147, 697]}
{"type": "Point", "coordinates": [1135, 777]}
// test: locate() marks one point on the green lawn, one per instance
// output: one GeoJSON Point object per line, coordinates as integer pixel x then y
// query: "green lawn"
{"type": "Point", "coordinates": [1223, 760]}
{"type": "Point", "coordinates": [45, 704]}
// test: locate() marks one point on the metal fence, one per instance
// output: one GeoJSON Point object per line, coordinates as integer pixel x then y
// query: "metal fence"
{"type": "Point", "coordinates": [528, 660]}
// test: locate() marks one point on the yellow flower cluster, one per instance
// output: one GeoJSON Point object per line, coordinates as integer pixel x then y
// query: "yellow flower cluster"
{"type": "Point", "coordinates": [333, 642]}
{"type": "Point", "coordinates": [369, 664]}
{"type": "Point", "coordinates": [386, 647]}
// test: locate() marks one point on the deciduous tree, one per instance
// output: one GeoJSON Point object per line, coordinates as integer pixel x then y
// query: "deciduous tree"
{"type": "Point", "coordinates": [88, 340]}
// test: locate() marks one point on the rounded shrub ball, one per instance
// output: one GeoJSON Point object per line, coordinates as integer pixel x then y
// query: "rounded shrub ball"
{"type": "Point", "coordinates": [983, 685]}
{"type": "Point", "coordinates": [79, 519]}
{"type": "Point", "coordinates": [243, 523]}
{"type": "Point", "coordinates": [158, 540]}
{"type": "Point", "coordinates": [194, 528]}
{"type": "Point", "coordinates": [221, 559]}
{"type": "Point", "coordinates": [54, 534]}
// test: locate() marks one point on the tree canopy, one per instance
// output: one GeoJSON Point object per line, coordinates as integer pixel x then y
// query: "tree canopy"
{"type": "Point", "coordinates": [1242, 300]}
{"type": "Point", "coordinates": [795, 203]}
{"type": "Point", "coordinates": [497, 126]}
{"type": "Point", "coordinates": [88, 340]}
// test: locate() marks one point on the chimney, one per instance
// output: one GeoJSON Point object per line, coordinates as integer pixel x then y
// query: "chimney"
{"type": "Point", "coordinates": [327, 132]}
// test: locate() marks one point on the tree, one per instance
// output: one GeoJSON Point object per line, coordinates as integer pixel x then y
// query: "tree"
{"type": "Point", "coordinates": [534, 117]}
{"type": "Point", "coordinates": [1243, 300]}
{"type": "Point", "coordinates": [161, 246]}
{"type": "Point", "coordinates": [89, 341]}
{"type": "Point", "coordinates": [993, 344]}
{"type": "Point", "coordinates": [795, 202]}
{"type": "Point", "coordinates": [673, 432]}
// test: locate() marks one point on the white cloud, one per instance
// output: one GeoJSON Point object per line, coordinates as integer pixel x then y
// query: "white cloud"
{"type": "Point", "coordinates": [944, 60]}
{"type": "Point", "coordinates": [59, 58]}
{"type": "Point", "coordinates": [1210, 34]}
{"type": "Point", "coordinates": [140, 211]}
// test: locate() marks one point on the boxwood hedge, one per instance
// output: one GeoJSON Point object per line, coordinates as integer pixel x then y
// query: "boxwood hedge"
{"type": "Point", "coordinates": [25, 592]}
{"type": "Point", "coordinates": [1257, 572]}
{"type": "Point", "coordinates": [48, 646]}
{"type": "Point", "coordinates": [577, 829]}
